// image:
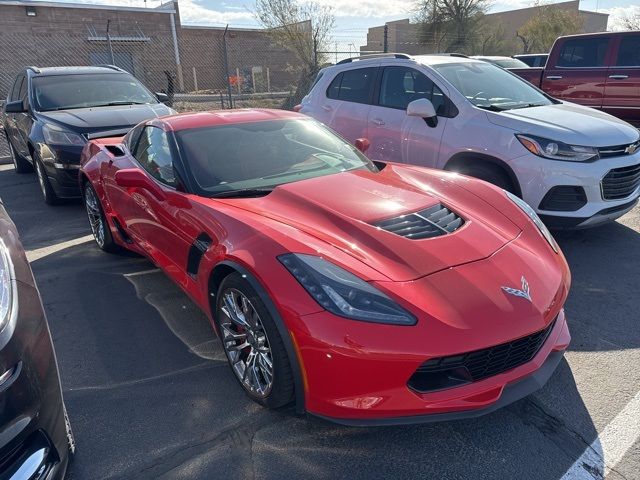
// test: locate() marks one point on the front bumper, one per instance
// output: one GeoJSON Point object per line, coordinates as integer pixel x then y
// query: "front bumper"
{"type": "Point", "coordinates": [537, 176]}
{"type": "Point", "coordinates": [62, 165]}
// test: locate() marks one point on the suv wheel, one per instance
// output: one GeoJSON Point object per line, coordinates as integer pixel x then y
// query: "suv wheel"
{"type": "Point", "coordinates": [49, 195]}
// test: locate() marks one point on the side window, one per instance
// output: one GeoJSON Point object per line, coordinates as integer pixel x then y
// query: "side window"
{"type": "Point", "coordinates": [132, 137]}
{"type": "Point", "coordinates": [154, 154]}
{"type": "Point", "coordinates": [23, 89]}
{"type": "Point", "coordinates": [15, 91]}
{"type": "Point", "coordinates": [583, 52]}
{"type": "Point", "coordinates": [629, 52]}
{"type": "Point", "coordinates": [402, 85]}
{"type": "Point", "coordinates": [352, 85]}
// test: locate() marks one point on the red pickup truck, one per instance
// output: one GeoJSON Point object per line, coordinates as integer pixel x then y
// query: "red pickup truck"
{"type": "Point", "coordinates": [600, 70]}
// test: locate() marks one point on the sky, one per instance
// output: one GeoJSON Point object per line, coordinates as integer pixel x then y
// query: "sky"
{"type": "Point", "coordinates": [353, 17]}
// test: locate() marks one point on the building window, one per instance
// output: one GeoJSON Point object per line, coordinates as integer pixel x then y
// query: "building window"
{"type": "Point", "coordinates": [31, 11]}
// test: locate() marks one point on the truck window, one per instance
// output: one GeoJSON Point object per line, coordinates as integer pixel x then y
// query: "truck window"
{"type": "Point", "coordinates": [583, 52]}
{"type": "Point", "coordinates": [629, 52]}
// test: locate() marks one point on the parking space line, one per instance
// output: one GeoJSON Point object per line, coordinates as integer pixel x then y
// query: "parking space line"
{"type": "Point", "coordinates": [143, 272]}
{"type": "Point", "coordinates": [610, 446]}
{"type": "Point", "coordinates": [8, 166]}
{"type": "Point", "coordinates": [38, 253]}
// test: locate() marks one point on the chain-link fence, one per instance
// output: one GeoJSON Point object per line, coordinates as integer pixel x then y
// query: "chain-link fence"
{"type": "Point", "coordinates": [198, 67]}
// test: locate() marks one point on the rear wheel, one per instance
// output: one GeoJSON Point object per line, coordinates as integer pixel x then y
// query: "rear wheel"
{"type": "Point", "coordinates": [252, 343]}
{"type": "Point", "coordinates": [20, 163]}
{"type": "Point", "coordinates": [97, 220]}
{"type": "Point", "coordinates": [50, 197]}
{"type": "Point", "coordinates": [489, 173]}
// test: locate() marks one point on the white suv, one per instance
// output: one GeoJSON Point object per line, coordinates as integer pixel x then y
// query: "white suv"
{"type": "Point", "coordinates": [576, 166]}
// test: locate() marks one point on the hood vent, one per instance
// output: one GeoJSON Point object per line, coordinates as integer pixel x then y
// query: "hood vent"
{"type": "Point", "coordinates": [428, 223]}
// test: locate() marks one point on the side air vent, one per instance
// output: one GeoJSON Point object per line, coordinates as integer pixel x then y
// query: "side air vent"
{"type": "Point", "coordinates": [198, 248]}
{"type": "Point", "coordinates": [428, 223]}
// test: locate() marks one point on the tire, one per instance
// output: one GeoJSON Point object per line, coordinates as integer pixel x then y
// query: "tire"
{"type": "Point", "coordinates": [20, 163]}
{"type": "Point", "coordinates": [261, 339]}
{"type": "Point", "coordinates": [97, 220]}
{"type": "Point", "coordinates": [490, 173]}
{"type": "Point", "coordinates": [50, 197]}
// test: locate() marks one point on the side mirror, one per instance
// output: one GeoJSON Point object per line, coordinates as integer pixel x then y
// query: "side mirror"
{"type": "Point", "coordinates": [362, 144]}
{"type": "Point", "coordinates": [15, 107]}
{"type": "Point", "coordinates": [162, 97]}
{"type": "Point", "coordinates": [423, 108]}
{"type": "Point", "coordinates": [136, 178]}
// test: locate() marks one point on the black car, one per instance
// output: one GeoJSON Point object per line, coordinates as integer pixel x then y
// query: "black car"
{"type": "Point", "coordinates": [35, 437]}
{"type": "Point", "coordinates": [50, 114]}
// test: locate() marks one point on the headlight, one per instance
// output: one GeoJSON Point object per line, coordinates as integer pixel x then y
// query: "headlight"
{"type": "Point", "coordinates": [6, 285]}
{"type": "Point", "coordinates": [342, 293]}
{"type": "Point", "coordinates": [536, 219]}
{"type": "Point", "coordinates": [546, 148]}
{"type": "Point", "coordinates": [54, 135]}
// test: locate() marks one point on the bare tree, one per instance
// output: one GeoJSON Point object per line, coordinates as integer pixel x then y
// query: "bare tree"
{"type": "Point", "coordinates": [549, 23]}
{"type": "Point", "coordinates": [459, 21]}
{"type": "Point", "coordinates": [302, 27]}
{"type": "Point", "coordinates": [631, 21]}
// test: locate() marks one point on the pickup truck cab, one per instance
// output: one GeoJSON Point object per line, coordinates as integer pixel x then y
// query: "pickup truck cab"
{"type": "Point", "coordinates": [599, 70]}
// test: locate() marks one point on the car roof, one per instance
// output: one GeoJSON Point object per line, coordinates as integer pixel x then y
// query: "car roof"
{"type": "Point", "coordinates": [443, 59]}
{"type": "Point", "coordinates": [214, 118]}
{"type": "Point", "coordinates": [76, 70]}
{"type": "Point", "coordinates": [491, 57]}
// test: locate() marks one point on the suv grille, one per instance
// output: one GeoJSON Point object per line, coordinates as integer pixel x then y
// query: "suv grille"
{"type": "Point", "coordinates": [431, 222]}
{"type": "Point", "coordinates": [620, 182]}
{"type": "Point", "coordinates": [617, 150]}
{"type": "Point", "coordinates": [456, 370]}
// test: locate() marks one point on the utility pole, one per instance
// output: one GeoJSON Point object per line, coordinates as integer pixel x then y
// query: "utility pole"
{"type": "Point", "coordinates": [385, 46]}
{"type": "Point", "coordinates": [226, 65]}
{"type": "Point", "coordinates": [113, 62]}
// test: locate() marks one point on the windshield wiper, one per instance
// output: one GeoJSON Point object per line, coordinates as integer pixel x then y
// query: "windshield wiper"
{"type": "Point", "coordinates": [119, 102]}
{"type": "Point", "coordinates": [244, 192]}
{"type": "Point", "coordinates": [492, 108]}
{"type": "Point", "coordinates": [529, 105]}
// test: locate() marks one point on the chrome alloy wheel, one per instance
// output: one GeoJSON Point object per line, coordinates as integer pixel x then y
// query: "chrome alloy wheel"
{"type": "Point", "coordinates": [40, 172]}
{"type": "Point", "coordinates": [95, 216]}
{"type": "Point", "coordinates": [245, 342]}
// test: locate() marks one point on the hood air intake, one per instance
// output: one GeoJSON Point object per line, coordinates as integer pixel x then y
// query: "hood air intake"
{"type": "Point", "coordinates": [431, 222]}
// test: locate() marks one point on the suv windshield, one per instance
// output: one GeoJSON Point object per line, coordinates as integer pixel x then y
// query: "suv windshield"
{"type": "Point", "coordinates": [491, 87]}
{"type": "Point", "coordinates": [65, 92]}
{"type": "Point", "coordinates": [256, 157]}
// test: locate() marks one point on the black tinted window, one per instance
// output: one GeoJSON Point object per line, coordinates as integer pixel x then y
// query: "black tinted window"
{"type": "Point", "coordinates": [629, 52]}
{"type": "Point", "coordinates": [352, 85]}
{"type": "Point", "coordinates": [59, 92]}
{"type": "Point", "coordinates": [402, 85]}
{"type": "Point", "coordinates": [154, 154]}
{"type": "Point", "coordinates": [583, 52]}
{"type": "Point", "coordinates": [23, 90]}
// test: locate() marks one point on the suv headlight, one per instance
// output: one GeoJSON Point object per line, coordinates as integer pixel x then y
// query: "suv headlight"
{"type": "Point", "coordinates": [524, 206]}
{"type": "Point", "coordinates": [6, 285]}
{"type": "Point", "coordinates": [342, 293]}
{"type": "Point", "coordinates": [54, 135]}
{"type": "Point", "coordinates": [553, 150]}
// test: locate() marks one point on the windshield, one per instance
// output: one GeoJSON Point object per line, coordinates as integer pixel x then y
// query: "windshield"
{"type": "Point", "coordinates": [263, 155]}
{"type": "Point", "coordinates": [491, 87]}
{"type": "Point", "coordinates": [65, 92]}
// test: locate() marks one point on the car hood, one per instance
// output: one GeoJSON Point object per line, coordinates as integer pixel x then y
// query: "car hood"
{"type": "Point", "coordinates": [342, 209]}
{"type": "Point", "coordinates": [569, 123]}
{"type": "Point", "coordinates": [120, 117]}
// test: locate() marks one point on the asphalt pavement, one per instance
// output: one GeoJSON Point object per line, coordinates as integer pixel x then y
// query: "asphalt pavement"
{"type": "Point", "coordinates": [150, 395]}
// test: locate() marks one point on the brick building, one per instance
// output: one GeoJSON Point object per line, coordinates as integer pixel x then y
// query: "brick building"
{"type": "Point", "coordinates": [151, 43]}
{"type": "Point", "coordinates": [404, 36]}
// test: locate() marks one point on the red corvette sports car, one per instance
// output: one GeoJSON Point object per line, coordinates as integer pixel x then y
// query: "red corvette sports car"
{"type": "Point", "coordinates": [366, 293]}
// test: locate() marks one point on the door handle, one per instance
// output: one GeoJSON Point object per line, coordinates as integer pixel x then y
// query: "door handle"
{"type": "Point", "coordinates": [618, 77]}
{"type": "Point", "coordinates": [327, 108]}
{"type": "Point", "coordinates": [377, 121]}
{"type": "Point", "coordinates": [554, 77]}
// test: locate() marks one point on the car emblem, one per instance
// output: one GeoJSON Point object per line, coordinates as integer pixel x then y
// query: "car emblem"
{"type": "Point", "coordinates": [524, 293]}
{"type": "Point", "coordinates": [631, 148]}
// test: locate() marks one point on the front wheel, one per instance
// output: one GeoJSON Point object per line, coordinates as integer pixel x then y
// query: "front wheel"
{"type": "Point", "coordinates": [490, 173]}
{"type": "Point", "coordinates": [252, 343]}
{"type": "Point", "coordinates": [50, 197]}
{"type": "Point", "coordinates": [97, 220]}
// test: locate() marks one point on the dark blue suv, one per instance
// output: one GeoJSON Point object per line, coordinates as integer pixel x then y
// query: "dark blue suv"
{"type": "Point", "coordinates": [50, 114]}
